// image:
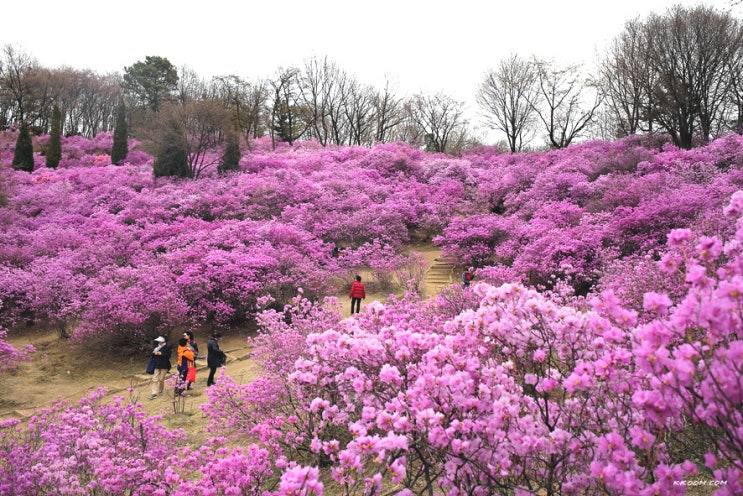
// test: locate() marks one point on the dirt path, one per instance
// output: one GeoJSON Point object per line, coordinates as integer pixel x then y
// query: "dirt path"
{"type": "Point", "coordinates": [60, 371]}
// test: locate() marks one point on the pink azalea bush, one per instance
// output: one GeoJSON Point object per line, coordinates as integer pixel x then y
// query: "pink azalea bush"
{"type": "Point", "coordinates": [571, 214]}
{"type": "Point", "coordinates": [520, 393]}
{"type": "Point", "coordinates": [600, 351]}
{"type": "Point", "coordinates": [107, 251]}
{"type": "Point", "coordinates": [94, 447]}
{"type": "Point", "coordinates": [10, 356]}
{"type": "Point", "coordinates": [213, 247]}
{"type": "Point", "coordinates": [98, 447]}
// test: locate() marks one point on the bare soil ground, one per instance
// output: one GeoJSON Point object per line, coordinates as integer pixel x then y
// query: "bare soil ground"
{"type": "Point", "coordinates": [60, 371]}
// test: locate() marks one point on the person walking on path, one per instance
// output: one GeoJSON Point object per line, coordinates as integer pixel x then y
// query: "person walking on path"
{"type": "Point", "coordinates": [192, 343]}
{"type": "Point", "coordinates": [215, 357]}
{"type": "Point", "coordinates": [161, 353]}
{"type": "Point", "coordinates": [467, 277]}
{"type": "Point", "coordinates": [358, 293]}
{"type": "Point", "coordinates": [186, 359]}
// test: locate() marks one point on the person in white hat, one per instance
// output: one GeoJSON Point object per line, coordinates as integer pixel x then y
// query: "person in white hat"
{"type": "Point", "coordinates": [161, 354]}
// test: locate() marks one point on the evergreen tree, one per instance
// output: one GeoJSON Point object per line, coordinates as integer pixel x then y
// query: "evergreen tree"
{"type": "Point", "coordinates": [231, 156]}
{"type": "Point", "coordinates": [23, 156]}
{"type": "Point", "coordinates": [151, 82]}
{"type": "Point", "coordinates": [54, 147]}
{"type": "Point", "coordinates": [120, 148]}
{"type": "Point", "coordinates": [172, 156]}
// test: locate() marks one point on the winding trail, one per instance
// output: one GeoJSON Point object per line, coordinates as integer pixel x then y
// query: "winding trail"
{"type": "Point", "coordinates": [58, 372]}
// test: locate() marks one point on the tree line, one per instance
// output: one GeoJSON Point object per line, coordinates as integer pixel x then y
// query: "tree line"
{"type": "Point", "coordinates": [678, 72]}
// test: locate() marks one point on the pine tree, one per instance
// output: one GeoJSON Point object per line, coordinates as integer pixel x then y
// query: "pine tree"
{"type": "Point", "coordinates": [23, 156]}
{"type": "Point", "coordinates": [231, 156]}
{"type": "Point", "coordinates": [120, 148]}
{"type": "Point", "coordinates": [54, 147]}
{"type": "Point", "coordinates": [172, 157]}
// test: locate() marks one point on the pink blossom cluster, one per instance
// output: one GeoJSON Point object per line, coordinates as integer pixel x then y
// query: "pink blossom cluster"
{"type": "Point", "coordinates": [10, 356]}
{"type": "Point", "coordinates": [93, 447]}
{"type": "Point", "coordinates": [599, 351]}
{"type": "Point", "coordinates": [576, 213]}
{"type": "Point", "coordinates": [519, 394]}
{"type": "Point", "coordinates": [97, 249]}
{"type": "Point", "coordinates": [113, 447]}
{"type": "Point", "coordinates": [108, 251]}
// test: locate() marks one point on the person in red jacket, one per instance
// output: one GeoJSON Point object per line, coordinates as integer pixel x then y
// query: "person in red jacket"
{"type": "Point", "coordinates": [357, 294]}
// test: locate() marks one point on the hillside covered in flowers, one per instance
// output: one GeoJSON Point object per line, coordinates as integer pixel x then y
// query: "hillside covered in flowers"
{"type": "Point", "coordinates": [604, 330]}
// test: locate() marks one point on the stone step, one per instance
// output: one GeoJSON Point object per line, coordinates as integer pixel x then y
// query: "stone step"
{"type": "Point", "coordinates": [441, 274]}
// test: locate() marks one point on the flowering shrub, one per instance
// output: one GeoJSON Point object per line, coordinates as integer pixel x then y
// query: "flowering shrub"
{"type": "Point", "coordinates": [546, 217]}
{"type": "Point", "coordinates": [569, 214]}
{"type": "Point", "coordinates": [98, 447]}
{"type": "Point", "coordinates": [497, 388]}
{"type": "Point", "coordinates": [519, 393]}
{"type": "Point", "coordinates": [94, 447]}
{"type": "Point", "coordinates": [100, 250]}
{"type": "Point", "coordinates": [10, 355]}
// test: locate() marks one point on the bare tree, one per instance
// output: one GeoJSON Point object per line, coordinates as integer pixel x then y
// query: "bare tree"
{"type": "Point", "coordinates": [388, 112]}
{"type": "Point", "coordinates": [736, 96]}
{"type": "Point", "coordinates": [39, 99]}
{"type": "Point", "coordinates": [325, 94]}
{"type": "Point", "coordinates": [679, 70]}
{"type": "Point", "coordinates": [87, 100]}
{"type": "Point", "coordinates": [246, 101]}
{"type": "Point", "coordinates": [98, 101]}
{"type": "Point", "coordinates": [289, 121]}
{"type": "Point", "coordinates": [191, 87]}
{"type": "Point", "coordinates": [17, 83]}
{"type": "Point", "coordinates": [359, 113]}
{"type": "Point", "coordinates": [314, 89]}
{"type": "Point", "coordinates": [339, 96]}
{"type": "Point", "coordinates": [506, 94]}
{"type": "Point", "coordinates": [690, 50]}
{"type": "Point", "coordinates": [204, 124]}
{"type": "Point", "coordinates": [566, 103]}
{"type": "Point", "coordinates": [626, 80]}
{"type": "Point", "coordinates": [441, 120]}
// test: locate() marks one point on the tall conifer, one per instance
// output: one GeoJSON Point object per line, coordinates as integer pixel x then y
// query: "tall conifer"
{"type": "Point", "coordinates": [231, 156]}
{"type": "Point", "coordinates": [23, 156]}
{"type": "Point", "coordinates": [172, 156]}
{"type": "Point", "coordinates": [120, 148]}
{"type": "Point", "coordinates": [54, 147]}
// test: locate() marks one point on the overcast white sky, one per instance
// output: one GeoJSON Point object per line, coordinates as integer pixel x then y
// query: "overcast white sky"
{"type": "Point", "coordinates": [420, 45]}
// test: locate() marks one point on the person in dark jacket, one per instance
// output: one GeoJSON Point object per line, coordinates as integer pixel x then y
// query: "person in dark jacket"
{"type": "Point", "coordinates": [192, 343]}
{"type": "Point", "coordinates": [215, 357]}
{"type": "Point", "coordinates": [358, 293]}
{"type": "Point", "coordinates": [162, 366]}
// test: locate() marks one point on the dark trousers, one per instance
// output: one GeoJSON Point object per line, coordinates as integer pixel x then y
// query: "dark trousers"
{"type": "Point", "coordinates": [182, 371]}
{"type": "Point", "coordinates": [357, 302]}
{"type": "Point", "coordinates": [210, 380]}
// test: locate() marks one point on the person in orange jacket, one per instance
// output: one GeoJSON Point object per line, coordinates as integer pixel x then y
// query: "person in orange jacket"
{"type": "Point", "coordinates": [186, 359]}
{"type": "Point", "coordinates": [358, 293]}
